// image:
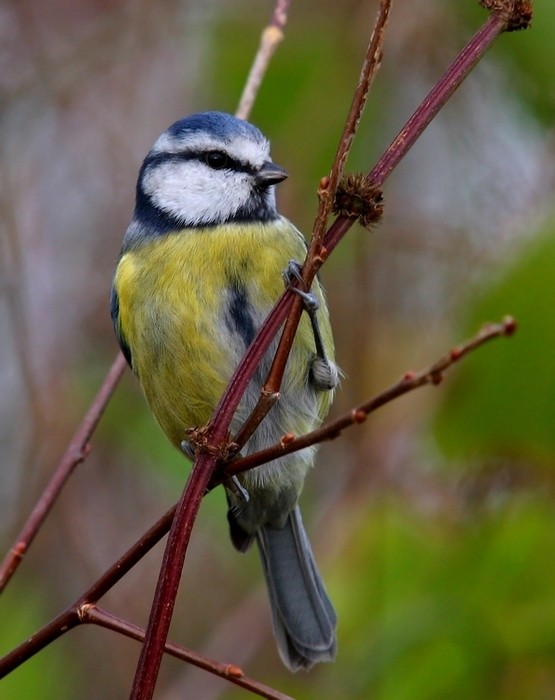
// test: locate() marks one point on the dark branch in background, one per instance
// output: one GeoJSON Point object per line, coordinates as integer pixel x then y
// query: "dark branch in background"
{"type": "Point", "coordinates": [505, 16]}
{"type": "Point", "coordinates": [76, 452]}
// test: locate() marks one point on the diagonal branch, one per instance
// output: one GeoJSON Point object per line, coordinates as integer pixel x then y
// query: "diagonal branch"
{"type": "Point", "coordinates": [432, 375]}
{"type": "Point", "coordinates": [76, 452]}
{"type": "Point", "coordinates": [505, 15]}
{"type": "Point", "coordinates": [316, 254]}
{"type": "Point", "coordinates": [229, 672]}
{"type": "Point", "coordinates": [291, 308]}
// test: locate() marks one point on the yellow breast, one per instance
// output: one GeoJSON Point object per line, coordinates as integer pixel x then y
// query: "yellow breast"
{"type": "Point", "coordinates": [188, 303]}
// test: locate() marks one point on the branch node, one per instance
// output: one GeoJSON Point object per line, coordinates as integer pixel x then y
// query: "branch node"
{"type": "Point", "coordinates": [509, 325]}
{"type": "Point", "coordinates": [517, 14]}
{"type": "Point", "coordinates": [233, 671]}
{"type": "Point", "coordinates": [286, 439]}
{"type": "Point", "coordinates": [356, 197]}
{"type": "Point", "coordinates": [19, 550]}
{"type": "Point", "coordinates": [323, 189]}
{"type": "Point", "coordinates": [436, 378]}
{"type": "Point", "coordinates": [358, 415]}
{"type": "Point", "coordinates": [270, 395]}
{"type": "Point", "coordinates": [272, 35]}
{"type": "Point", "coordinates": [198, 439]}
{"type": "Point", "coordinates": [322, 255]}
{"type": "Point", "coordinates": [83, 611]}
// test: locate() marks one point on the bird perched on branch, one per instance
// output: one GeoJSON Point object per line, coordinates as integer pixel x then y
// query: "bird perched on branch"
{"type": "Point", "coordinates": [201, 267]}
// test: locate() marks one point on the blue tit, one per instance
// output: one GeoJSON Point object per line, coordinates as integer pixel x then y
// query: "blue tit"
{"type": "Point", "coordinates": [201, 267]}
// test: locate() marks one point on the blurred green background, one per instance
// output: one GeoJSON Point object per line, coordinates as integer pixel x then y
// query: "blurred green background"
{"type": "Point", "coordinates": [432, 522]}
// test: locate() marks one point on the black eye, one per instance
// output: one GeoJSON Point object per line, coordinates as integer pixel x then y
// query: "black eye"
{"type": "Point", "coordinates": [216, 159]}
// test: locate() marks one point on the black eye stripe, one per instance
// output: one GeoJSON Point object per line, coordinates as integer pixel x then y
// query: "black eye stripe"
{"type": "Point", "coordinates": [200, 156]}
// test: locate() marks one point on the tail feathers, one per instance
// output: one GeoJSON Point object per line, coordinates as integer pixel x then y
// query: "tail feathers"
{"type": "Point", "coordinates": [303, 617]}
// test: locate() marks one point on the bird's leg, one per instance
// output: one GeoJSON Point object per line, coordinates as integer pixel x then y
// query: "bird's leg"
{"type": "Point", "coordinates": [233, 484]}
{"type": "Point", "coordinates": [323, 373]}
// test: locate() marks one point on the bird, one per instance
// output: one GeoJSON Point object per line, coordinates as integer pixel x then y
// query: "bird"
{"type": "Point", "coordinates": [203, 262]}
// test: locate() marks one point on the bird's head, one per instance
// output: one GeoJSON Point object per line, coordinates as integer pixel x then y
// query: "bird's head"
{"type": "Point", "coordinates": [207, 169]}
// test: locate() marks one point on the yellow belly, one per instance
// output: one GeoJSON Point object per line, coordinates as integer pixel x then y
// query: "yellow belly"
{"type": "Point", "coordinates": [181, 299]}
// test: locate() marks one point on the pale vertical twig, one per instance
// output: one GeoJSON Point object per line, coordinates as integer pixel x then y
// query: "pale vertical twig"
{"type": "Point", "coordinates": [270, 39]}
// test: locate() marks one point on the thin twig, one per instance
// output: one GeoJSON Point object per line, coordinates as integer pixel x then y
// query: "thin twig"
{"type": "Point", "coordinates": [229, 672]}
{"type": "Point", "coordinates": [76, 452]}
{"type": "Point", "coordinates": [409, 382]}
{"type": "Point", "coordinates": [271, 37]}
{"type": "Point", "coordinates": [216, 432]}
{"type": "Point", "coordinates": [452, 78]}
{"type": "Point", "coordinates": [370, 68]}
{"type": "Point", "coordinates": [291, 308]}
{"type": "Point", "coordinates": [71, 617]}
{"type": "Point", "coordinates": [316, 255]}
{"type": "Point", "coordinates": [85, 610]}
{"type": "Point", "coordinates": [167, 586]}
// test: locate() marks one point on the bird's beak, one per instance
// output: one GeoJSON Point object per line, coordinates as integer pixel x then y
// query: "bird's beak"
{"type": "Point", "coordinates": [269, 174]}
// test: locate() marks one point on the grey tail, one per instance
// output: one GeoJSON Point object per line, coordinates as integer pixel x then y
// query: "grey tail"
{"type": "Point", "coordinates": [303, 617]}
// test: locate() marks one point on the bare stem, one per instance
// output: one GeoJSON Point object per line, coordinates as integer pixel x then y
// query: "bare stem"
{"type": "Point", "coordinates": [316, 257]}
{"type": "Point", "coordinates": [409, 382]}
{"type": "Point", "coordinates": [41, 639]}
{"type": "Point", "coordinates": [271, 37]}
{"type": "Point", "coordinates": [170, 576]}
{"type": "Point", "coordinates": [229, 672]}
{"type": "Point", "coordinates": [76, 452]}
{"type": "Point", "coordinates": [70, 617]}
{"type": "Point", "coordinates": [370, 68]}
{"type": "Point", "coordinates": [453, 77]}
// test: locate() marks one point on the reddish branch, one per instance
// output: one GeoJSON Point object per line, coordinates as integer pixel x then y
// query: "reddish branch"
{"type": "Point", "coordinates": [76, 452]}
{"type": "Point", "coordinates": [216, 436]}
{"type": "Point", "coordinates": [81, 610]}
{"type": "Point", "coordinates": [229, 672]}
{"type": "Point", "coordinates": [409, 382]}
{"type": "Point", "coordinates": [316, 255]}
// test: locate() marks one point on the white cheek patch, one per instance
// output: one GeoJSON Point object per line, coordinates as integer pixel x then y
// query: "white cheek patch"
{"type": "Point", "coordinates": [195, 193]}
